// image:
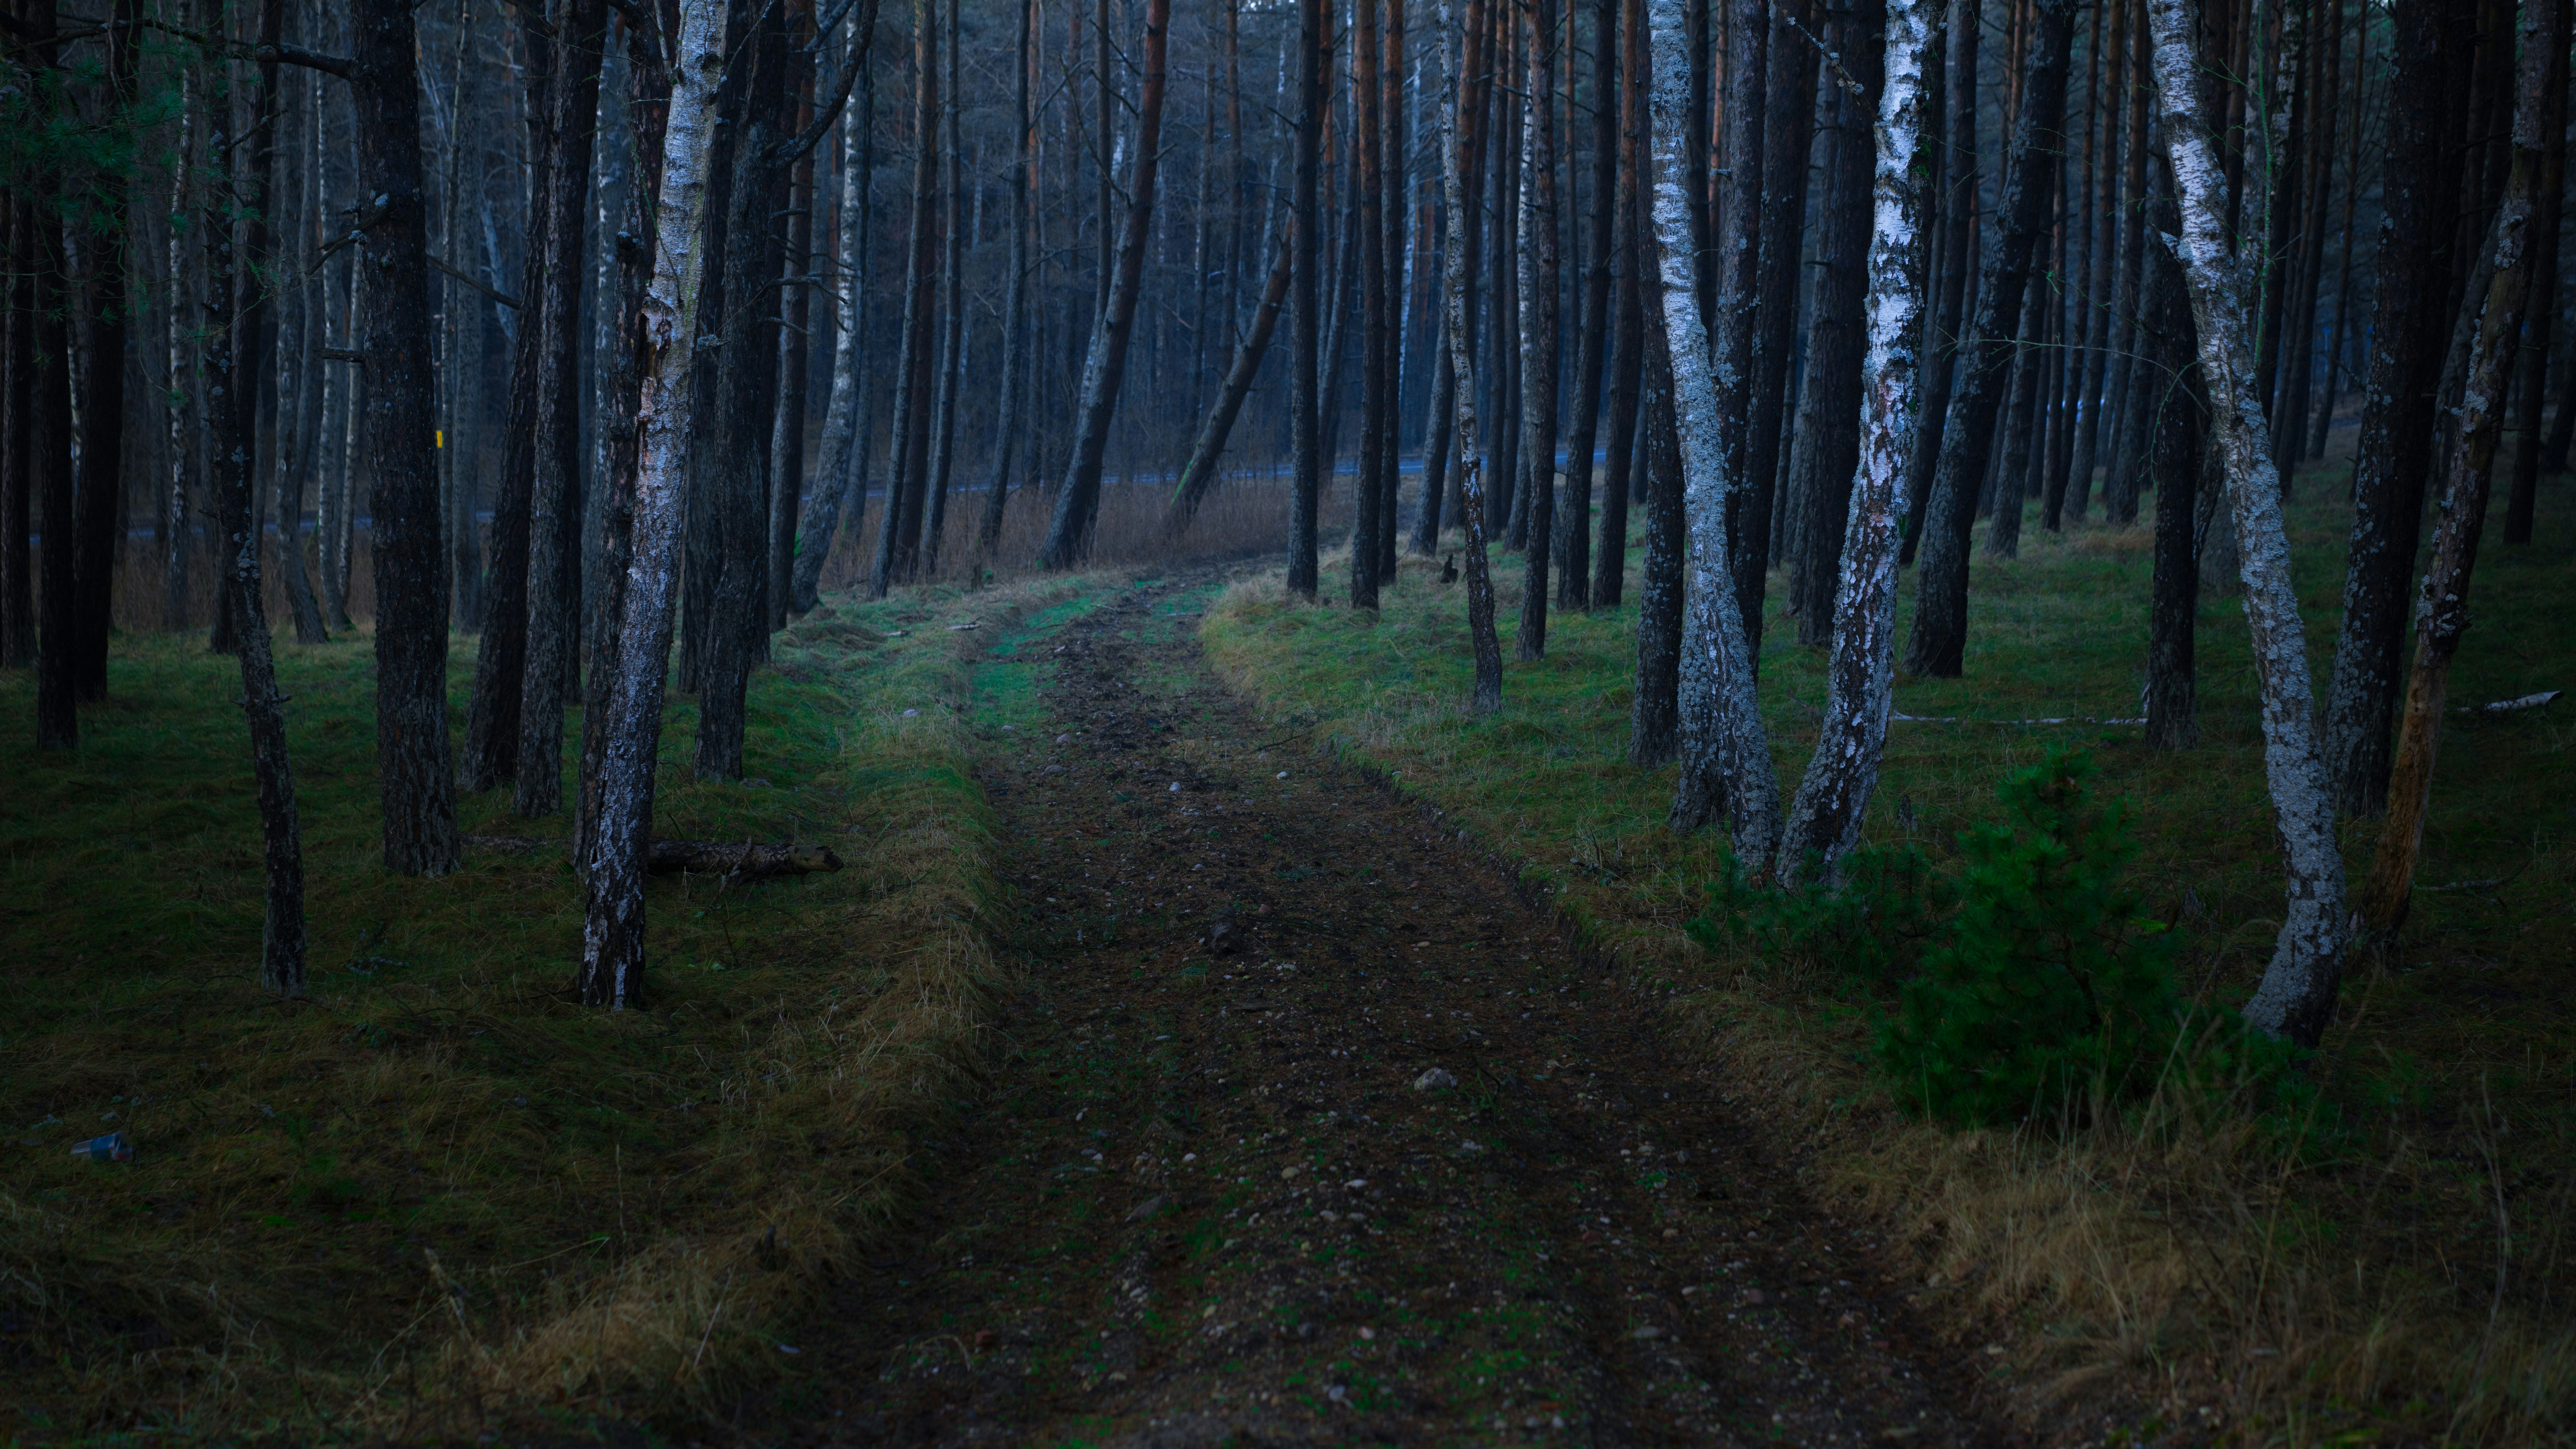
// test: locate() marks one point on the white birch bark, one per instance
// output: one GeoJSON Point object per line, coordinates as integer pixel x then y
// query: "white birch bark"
{"type": "Point", "coordinates": [1462, 361]}
{"type": "Point", "coordinates": [613, 934]}
{"type": "Point", "coordinates": [1833, 797]}
{"type": "Point", "coordinates": [1722, 733]}
{"type": "Point", "coordinates": [2298, 987]}
{"type": "Point", "coordinates": [839, 481]}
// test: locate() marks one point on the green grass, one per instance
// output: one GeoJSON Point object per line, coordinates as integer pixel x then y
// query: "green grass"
{"type": "Point", "coordinates": [2348, 1283]}
{"type": "Point", "coordinates": [437, 1193]}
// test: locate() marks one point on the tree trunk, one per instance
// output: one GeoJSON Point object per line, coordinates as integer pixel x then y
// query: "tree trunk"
{"type": "Point", "coordinates": [1828, 449]}
{"type": "Point", "coordinates": [795, 351]}
{"type": "Point", "coordinates": [101, 507]}
{"type": "Point", "coordinates": [910, 436]}
{"type": "Point", "coordinates": [56, 298]}
{"type": "Point", "coordinates": [414, 767]}
{"type": "Point", "coordinates": [1538, 278]}
{"type": "Point", "coordinates": [1655, 719]}
{"type": "Point", "coordinates": [1958, 166]}
{"type": "Point", "coordinates": [1200, 474]}
{"type": "Point", "coordinates": [1015, 382]}
{"type": "Point", "coordinates": [1788, 129]}
{"type": "Point", "coordinates": [1938, 642]}
{"type": "Point", "coordinates": [552, 590]}
{"type": "Point", "coordinates": [1833, 798]}
{"type": "Point", "coordinates": [1396, 171]}
{"type": "Point", "coordinates": [1726, 766]}
{"type": "Point", "coordinates": [2022, 440]}
{"type": "Point", "coordinates": [1462, 154]}
{"type": "Point", "coordinates": [2419, 194]}
{"type": "Point", "coordinates": [849, 422]}
{"type": "Point", "coordinates": [2543, 309]}
{"type": "Point", "coordinates": [2442, 612]}
{"type": "Point", "coordinates": [299, 421]}
{"type": "Point", "coordinates": [1077, 506]}
{"type": "Point", "coordinates": [491, 753]}
{"type": "Point", "coordinates": [2182, 456]}
{"type": "Point", "coordinates": [18, 427]}
{"type": "Point", "coordinates": [1305, 333]}
{"type": "Point", "coordinates": [1368, 496]}
{"type": "Point", "coordinates": [1573, 538]}
{"type": "Point", "coordinates": [629, 701]}
{"type": "Point", "coordinates": [2297, 993]}
{"type": "Point", "coordinates": [952, 337]}
{"type": "Point", "coordinates": [2071, 480]}
{"type": "Point", "coordinates": [2132, 387]}
{"type": "Point", "coordinates": [1610, 577]}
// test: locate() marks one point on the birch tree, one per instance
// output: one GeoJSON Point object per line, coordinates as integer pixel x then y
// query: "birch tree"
{"type": "Point", "coordinates": [612, 968]}
{"type": "Point", "coordinates": [1726, 756]}
{"type": "Point", "coordinates": [1825, 817]}
{"type": "Point", "coordinates": [2297, 993]}
{"type": "Point", "coordinates": [1463, 48]}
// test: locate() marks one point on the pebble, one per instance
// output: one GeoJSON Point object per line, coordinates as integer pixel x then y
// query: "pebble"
{"type": "Point", "coordinates": [1434, 1078]}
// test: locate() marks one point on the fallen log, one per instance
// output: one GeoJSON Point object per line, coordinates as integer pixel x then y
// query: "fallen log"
{"type": "Point", "coordinates": [742, 860]}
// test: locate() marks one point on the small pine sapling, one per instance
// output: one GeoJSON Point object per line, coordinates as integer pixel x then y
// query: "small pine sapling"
{"type": "Point", "coordinates": [2053, 984]}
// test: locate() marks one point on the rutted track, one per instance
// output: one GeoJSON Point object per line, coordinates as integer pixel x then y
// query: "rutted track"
{"type": "Point", "coordinates": [1205, 1201]}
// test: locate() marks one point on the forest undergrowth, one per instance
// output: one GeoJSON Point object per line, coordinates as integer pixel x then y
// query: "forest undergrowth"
{"type": "Point", "coordinates": [436, 1196]}
{"type": "Point", "coordinates": [2372, 1246]}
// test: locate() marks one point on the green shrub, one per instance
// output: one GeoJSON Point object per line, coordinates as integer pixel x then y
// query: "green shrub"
{"type": "Point", "coordinates": [2052, 985]}
{"type": "Point", "coordinates": [1872, 927]}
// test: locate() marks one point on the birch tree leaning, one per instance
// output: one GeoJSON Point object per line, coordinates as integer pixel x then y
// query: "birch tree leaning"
{"type": "Point", "coordinates": [1825, 818]}
{"type": "Point", "coordinates": [1465, 56]}
{"type": "Point", "coordinates": [2297, 994]}
{"type": "Point", "coordinates": [1726, 756]}
{"type": "Point", "coordinates": [612, 968]}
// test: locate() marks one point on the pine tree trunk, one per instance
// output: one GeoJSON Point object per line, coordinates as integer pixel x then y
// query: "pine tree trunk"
{"type": "Point", "coordinates": [629, 695]}
{"type": "Point", "coordinates": [2022, 441]}
{"type": "Point", "coordinates": [2419, 194]}
{"type": "Point", "coordinates": [910, 435]}
{"type": "Point", "coordinates": [1104, 368]}
{"type": "Point", "coordinates": [952, 337]}
{"type": "Point", "coordinates": [1368, 495]}
{"type": "Point", "coordinates": [1726, 764]}
{"type": "Point", "coordinates": [1832, 393]}
{"type": "Point", "coordinates": [2442, 613]}
{"type": "Point", "coordinates": [491, 753]}
{"type": "Point", "coordinates": [1938, 641]}
{"type": "Point", "coordinates": [1788, 129]}
{"type": "Point", "coordinates": [1833, 797]}
{"type": "Point", "coordinates": [1396, 171]}
{"type": "Point", "coordinates": [1464, 50]}
{"type": "Point", "coordinates": [299, 421]}
{"type": "Point", "coordinates": [1610, 575]}
{"type": "Point", "coordinates": [18, 427]}
{"type": "Point", "coordinates": [56, 298]}
{"type": "Point", "coordinates": [1655, 718]}
{"type": "Point", "coordinates": [1573, 537]}
{"type": "Point", "coordinates": [1014, 383]}
{"type": "Point", "coordinates": [2297, 993]}
{"type": "Point", "coordinates": [1306, 331]}
{"type": "Point", "coordinates": [1200, 474]}
{"type": "Point", "coordinates": [551, 592]}
{"type": "Point", "coordinates": [841, 479]}
{"type": "Point", "coordinates": [2132, 386]}
{"type": "Point", "coordinates": [2543, 310]}
{"type": "Point", "coordinates": [101, 504]}
{"type": "Point", "coordinates": [1536, 517]}
{"type": "Point", "coordinates": [795, 349]}
{"type": "Point", "coordinates": [1957, 162]}
{"type": "Point", "coordinates": [2182, 456]}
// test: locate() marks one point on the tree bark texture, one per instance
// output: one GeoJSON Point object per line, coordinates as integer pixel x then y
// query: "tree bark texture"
{"type": "Point", "coordinates": [2442, 601]}
{"type": "Point", "coordinates": [1368, 488]}
{"type": "Point", "coordinates": [629, 700]}
{"type": "Point", "coordinates": [1461, 155]}
{"type": "Point", "coordinates": [100, 509]}
{"type": "Point", "coordinates": [2297, 994]}
{"type": "Point", "coordinates": [551, 592]}
{"type": "Point", "coordinates": [1654, 719]}
{"type": "Point", "coordinates": [1610, 573]}
{"type": "Point", "coordinates": [2420, 193]}
{"type": "Point", "coordinates": [1833, 798]}
{"type": "Point", "coordinates": [1937, 644]}
{"type": "Point", "coordinates": [1305, 330]}
{"type": "Point", "coordinates": [1538, 282]}
{"type": "Point", "coordinates": [1726, 756]}
{"type": "Point", "coordinates": [1957, 163]}
{"type": "Point", "coordinates": [1104, 368]}
{"type": "Point", "coordinates": [2547, 226]}
{"type": "Point", "coordinates": [417, 777]}
{"type": "Point", "coordinates": [841, 475]}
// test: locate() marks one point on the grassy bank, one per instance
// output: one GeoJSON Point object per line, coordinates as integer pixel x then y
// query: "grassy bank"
{"type": "Point", "coordinates": [438, 1194]}
{"type": "Point", "coordinates": [2395, 1263]}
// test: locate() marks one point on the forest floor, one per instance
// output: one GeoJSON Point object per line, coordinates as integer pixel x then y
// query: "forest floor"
{"type": "Point", "coordinates": [1305, 1127]}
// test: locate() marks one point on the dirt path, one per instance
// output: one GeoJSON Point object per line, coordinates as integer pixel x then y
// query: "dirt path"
{"type": "Point", "coordinates": [1211, 1199]}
